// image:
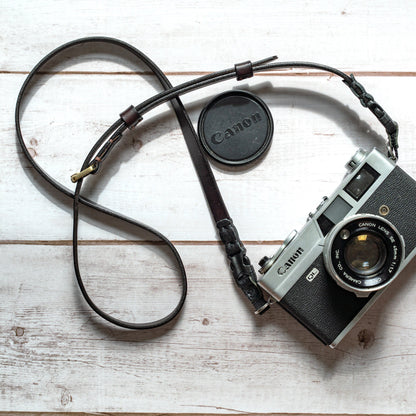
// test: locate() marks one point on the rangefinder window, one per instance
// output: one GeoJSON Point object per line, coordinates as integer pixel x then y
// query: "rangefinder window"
{"type": "Point", "coordinates": [333, 214]}
{"type": "Point", "coordinates": [337, 210]}
{"type": "Point", "coordinates": [361, 182]}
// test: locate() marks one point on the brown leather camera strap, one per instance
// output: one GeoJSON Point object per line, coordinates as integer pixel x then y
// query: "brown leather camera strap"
{"type": "Point", "coordinates": [241, 267]}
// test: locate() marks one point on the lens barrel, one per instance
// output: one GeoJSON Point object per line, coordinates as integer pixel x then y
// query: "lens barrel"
{"type": "Point", "coordinates": [363, 253]}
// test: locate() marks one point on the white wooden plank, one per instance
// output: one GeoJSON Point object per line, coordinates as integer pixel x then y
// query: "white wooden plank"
{"type": "Point", "coordinates": [218, 357]}
{"type": "Point", "coordinates": [185, 35]}
{"type": "Point", "coordinates": [318, 125]}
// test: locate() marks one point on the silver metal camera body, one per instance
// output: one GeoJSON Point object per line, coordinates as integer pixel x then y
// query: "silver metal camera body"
{"type": "Point", "coordinates": [352, 247]}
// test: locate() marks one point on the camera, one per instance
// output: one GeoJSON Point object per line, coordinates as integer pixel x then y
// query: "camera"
{"type": "Point", "coordinates": [351, 248]}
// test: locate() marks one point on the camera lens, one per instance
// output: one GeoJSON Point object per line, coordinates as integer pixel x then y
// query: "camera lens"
{"type": "Point", "coordinates": [365, 254]}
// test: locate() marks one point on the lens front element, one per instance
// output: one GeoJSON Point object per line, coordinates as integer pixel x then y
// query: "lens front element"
{"type": "Point", "coordinates": [363, 253]}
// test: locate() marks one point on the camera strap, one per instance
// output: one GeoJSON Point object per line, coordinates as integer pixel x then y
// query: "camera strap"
{"type": "Point", "coordinates": [241, 268]}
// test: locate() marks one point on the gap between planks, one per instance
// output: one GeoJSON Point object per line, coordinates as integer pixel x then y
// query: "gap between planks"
{"type": "Point", "coordinates": [191, 414]}
{"type": "Point", "coordinates": [133, 242]}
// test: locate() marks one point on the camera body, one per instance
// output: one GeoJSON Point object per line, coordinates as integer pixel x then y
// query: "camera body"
{"type": "Point", "coordinates": [352, 247]}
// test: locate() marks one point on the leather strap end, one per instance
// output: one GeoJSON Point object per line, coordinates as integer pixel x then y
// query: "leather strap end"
{"type": "Point", "coordinates": [131, 117]}
{"type": "Point", "coordinates": [244, 70]}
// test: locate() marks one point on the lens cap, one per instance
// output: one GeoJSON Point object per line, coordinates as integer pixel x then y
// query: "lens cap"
{"type": "Point", "coordinates": [235, 128]}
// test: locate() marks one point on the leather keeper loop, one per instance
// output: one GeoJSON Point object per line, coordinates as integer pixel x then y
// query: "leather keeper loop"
{"type": "Point", "coordinates": [131, 117]}
{"type": "Point", "coordinates": [244, 70]}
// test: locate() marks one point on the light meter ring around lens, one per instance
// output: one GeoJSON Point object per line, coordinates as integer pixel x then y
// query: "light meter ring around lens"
{"type": "Point", "coordinates": [362, 284]}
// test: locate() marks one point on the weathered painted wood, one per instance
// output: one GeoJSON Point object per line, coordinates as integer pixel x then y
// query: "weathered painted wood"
{"type": "Point", "coordinates": [318, 125]}
{"type": "Point", "coordinates": [218, 357]}
{"type": "Point", "coordinates": [55, 355]}
{"type": "Point", "coordinates": [194, 36]}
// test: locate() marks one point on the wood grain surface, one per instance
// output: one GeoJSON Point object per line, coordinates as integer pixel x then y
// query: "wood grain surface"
{"type": "Point", "coordinates": [56, 356]}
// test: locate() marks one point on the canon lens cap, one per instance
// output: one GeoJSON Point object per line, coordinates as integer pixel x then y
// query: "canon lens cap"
{"type": "Point", "coordinates": [235, 128]}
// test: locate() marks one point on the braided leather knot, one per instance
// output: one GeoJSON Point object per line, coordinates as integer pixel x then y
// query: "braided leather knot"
{"type": "Point", "coordinates": [367, 100]}
{"type": "Point", "coordinates": [241, 268]}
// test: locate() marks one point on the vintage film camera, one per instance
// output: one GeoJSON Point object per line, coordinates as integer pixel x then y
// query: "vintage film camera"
{"type": "Point", "coordinates": [351, 248]}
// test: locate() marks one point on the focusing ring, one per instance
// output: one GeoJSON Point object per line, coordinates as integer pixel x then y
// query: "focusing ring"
{"type": "Point", "coordinates": [363, 227]}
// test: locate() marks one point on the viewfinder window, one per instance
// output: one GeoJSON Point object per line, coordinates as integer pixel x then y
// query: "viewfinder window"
{"type": "Point", "coordinates": [361, 182]}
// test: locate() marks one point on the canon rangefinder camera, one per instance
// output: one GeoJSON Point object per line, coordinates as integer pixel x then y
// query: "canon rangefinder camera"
{"type": "Point", "coordinates": [351, 248]}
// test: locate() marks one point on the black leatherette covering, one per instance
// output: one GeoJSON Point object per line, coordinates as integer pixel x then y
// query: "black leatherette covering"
{"type": "Point", "coordinates": [321, 305]}
{"type": "Point", "coordinates": [398, 192]}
